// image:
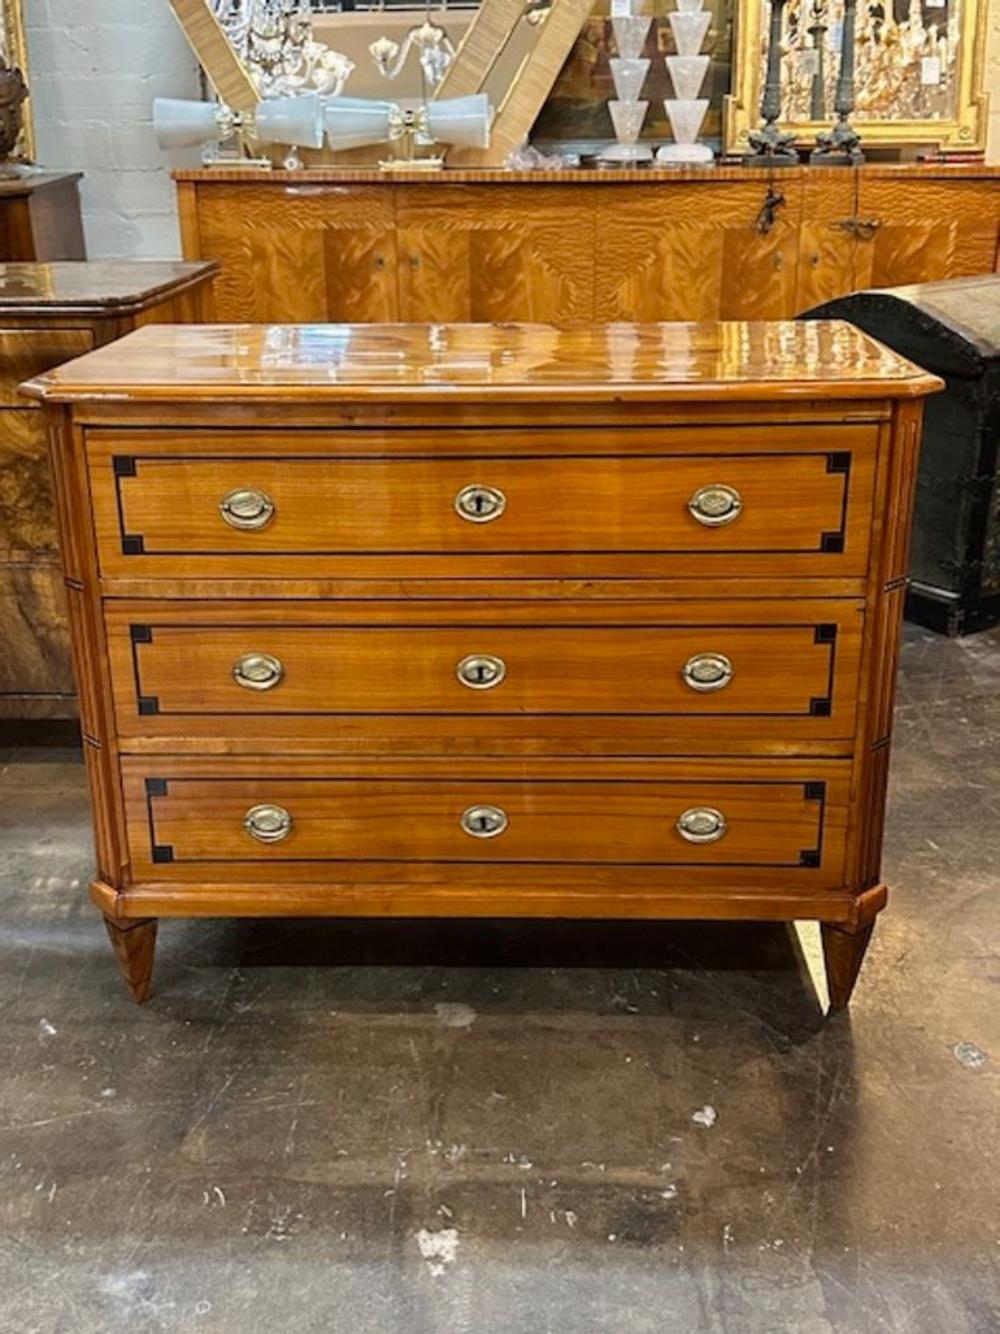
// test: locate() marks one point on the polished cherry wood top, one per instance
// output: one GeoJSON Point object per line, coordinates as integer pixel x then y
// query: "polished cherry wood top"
{"type": "Point", "coordinates": [448, 362]}
{"type": "Point", "coordinates": [121, 286]}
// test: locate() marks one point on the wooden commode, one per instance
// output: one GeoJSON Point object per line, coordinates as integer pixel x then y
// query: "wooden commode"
{"type": "Point", "coordinates": [49, 313]}
{"type": "Point", "coordinates": [473, 620]}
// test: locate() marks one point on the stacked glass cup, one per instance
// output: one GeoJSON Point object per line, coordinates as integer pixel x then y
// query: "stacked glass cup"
{"type": "Point", "coordinates": [628, 69]}
{"type": "Point", "coordinates": [687, 69]}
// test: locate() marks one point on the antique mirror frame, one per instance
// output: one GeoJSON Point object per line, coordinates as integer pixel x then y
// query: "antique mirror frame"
{"type": "Point", "coordinates": [966, 130]}
{"type": "Point", "coordinates": [493, 26]}
{"type": "Point", "coordinates": [15, 49]}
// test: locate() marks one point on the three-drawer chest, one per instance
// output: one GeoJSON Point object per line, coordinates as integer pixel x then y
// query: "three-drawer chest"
{"type": "Point", "coordinates": [484, 620]}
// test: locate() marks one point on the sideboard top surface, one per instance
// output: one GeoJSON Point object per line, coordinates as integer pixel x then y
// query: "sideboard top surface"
{"type": "Point", "coordinates": [113, 286]}
{"type": "Point", "coordinates": [905, 171]}
{"type": "Point", "coordinates": [445, 362]}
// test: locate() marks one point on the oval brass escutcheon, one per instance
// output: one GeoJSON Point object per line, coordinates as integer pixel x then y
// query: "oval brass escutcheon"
{"type": "Point", "coordinates": [480, 504]}
{"type": "Point", "coordinates": [701, 824]}
{"type": "Point", "coordinates": [484, 821]}
{"type": "Point", "coordinates": [481, 671]}
{"type": "Point", "coordinates": [705, 672]}
{"type": "Point", "coordinates": [258, 671]}
{"type": "Point", "coordinates": [716, 505]}
{"type": "Point", "coordinates": [247, 508]}
{"type": "Point", "coordinates": [267, 824]}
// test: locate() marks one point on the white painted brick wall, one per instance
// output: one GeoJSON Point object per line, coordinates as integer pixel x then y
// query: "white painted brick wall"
{"type": "Point", "coordinates": [95, 67]}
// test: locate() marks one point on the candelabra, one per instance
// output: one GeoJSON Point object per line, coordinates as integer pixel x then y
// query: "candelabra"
{"type": "Point", "coordinates": [628, 69]}
{"type": "Point", "coordinates": [686, 111]}
{"type": "Point", "coordinates": [435, 47]}
{"type": "Point", "coordinates": [770, 146]}
{"type": "Point", "coordinates": [839, 145]}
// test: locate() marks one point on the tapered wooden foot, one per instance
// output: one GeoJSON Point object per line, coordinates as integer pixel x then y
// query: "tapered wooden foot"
{"type": "Point", "coordinates": [134, 943]}
{"type": "Point", "coordinates": [843, 951]}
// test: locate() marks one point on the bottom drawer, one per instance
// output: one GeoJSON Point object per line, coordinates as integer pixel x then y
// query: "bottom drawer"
{"type": "Point", "coordinates": [738, 822]}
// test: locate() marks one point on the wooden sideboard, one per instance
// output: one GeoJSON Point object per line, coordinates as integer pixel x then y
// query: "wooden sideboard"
{"type": "Point", "coordinates": [40, 216]}
{"type": "Point", "coordinates": [50, 313]}
{"type": "Point", "coordinates": [487, 620]}
{"type": "Point", "coordinates": [573, 246]}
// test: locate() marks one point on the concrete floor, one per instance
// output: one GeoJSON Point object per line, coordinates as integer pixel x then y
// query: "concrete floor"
{"type": "Point", "coordinates": [490, 1127]}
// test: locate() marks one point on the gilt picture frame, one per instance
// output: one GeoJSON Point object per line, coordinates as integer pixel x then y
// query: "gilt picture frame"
{"type": "Point", "coordinates": [959, 32]}
{"type": "Point", "coordinates": [15, 51]}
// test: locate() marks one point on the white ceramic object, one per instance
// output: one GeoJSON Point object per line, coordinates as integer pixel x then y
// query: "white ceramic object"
{"type": "Point", "coordinates": [629, 76]}
{"type": "Point", "coordinates": [689, 31]}
{"type": "Point", "coordinates": [179, 123]}
{"type": "Point", "coordinates": [687, 74]}
{"type": "Point", "coordinates": [630, 35]}
{"type": "Point", "coordinates": [464, 121]}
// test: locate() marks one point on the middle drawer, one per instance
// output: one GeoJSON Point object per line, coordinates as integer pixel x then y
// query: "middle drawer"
{"type": "Point", "coordinates": [497, 675]}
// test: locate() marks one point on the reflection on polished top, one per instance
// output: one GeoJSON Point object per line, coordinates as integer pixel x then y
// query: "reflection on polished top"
{"type": "Point", "coordinates": [94, 283]}
{"type": "Point", "coordinates": [478, 361]}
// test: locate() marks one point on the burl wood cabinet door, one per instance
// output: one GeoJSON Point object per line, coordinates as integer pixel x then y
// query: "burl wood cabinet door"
{"type": "Point", "coordinates": [301, 254]}
{"type": "Point", "coordinates": [494, 252]}
{"type": "Point", "coordinates": [695, 252]}
{"type": "Point", "coordinates": [938, 229]}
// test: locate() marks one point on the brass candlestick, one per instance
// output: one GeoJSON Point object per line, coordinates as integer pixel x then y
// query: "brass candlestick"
{"type": "Point", "coordinates": [770, 146]}
{"type": "Point", "coordinates": [838, 147]}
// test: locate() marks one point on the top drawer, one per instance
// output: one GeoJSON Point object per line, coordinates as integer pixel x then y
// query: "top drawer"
{"type": "Point", "coordinates": [794, 500]}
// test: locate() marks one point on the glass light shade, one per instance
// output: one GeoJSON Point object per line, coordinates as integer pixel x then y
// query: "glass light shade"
{"type": "Point", "coordinates": [354, 122]}
{"type": "Point", "coordinates": [627, 118]}
{"type": "Point", "coordinates": [630, 35]}
{"type": "Point", "coordinates": [686, 118]}
{"type": "Point", "coordinates": [461, 120]}
{"type": "Point", "coordinates": [629, 76]}
{"type": "Point", "coordinates": [291, 120]}
{"type": "Point", "coordinates": [689, 31]}
{"type": "Point", "coordinates": [178, 123]}
{"type": "Point", "coordinates": [687, 74]}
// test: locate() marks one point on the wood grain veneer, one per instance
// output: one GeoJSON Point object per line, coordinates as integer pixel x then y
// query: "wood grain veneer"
{"type": "Point", "coordinates": [49, 314]}
{"type": "Point", "coordinates": [581, 245]}
{"type": "Point", "coordinates": [595, 586]}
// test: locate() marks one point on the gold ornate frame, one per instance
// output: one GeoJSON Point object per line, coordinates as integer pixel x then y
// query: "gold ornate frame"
{"type": "Point", "coordinates": [15, 50]}
{"type": "Point", "coordinates": [965, 131]}
{"type": "Point", "coordinates": [488, 35]}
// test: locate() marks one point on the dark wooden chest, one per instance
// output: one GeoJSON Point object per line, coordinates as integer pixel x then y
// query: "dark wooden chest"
{"type": "Point", "coordinates": [953, 329]}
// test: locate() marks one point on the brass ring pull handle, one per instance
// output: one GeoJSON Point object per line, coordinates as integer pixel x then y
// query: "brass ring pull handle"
{"type": "Point", "coordinates": [258, 671]}
{"type": "Point", "coordinates": [707, 671]}
{"type": "Point", "coordinates": [701, 824]}
{"type": "Point", "coordinates": [247, 508]}
{"type": "Point", "coordinates": [481, 671]}
{"type": "Point", "coordinates": [484, 821]}
{"type": "Point", "coordinates": [716, 505]}
{"type": "Point", "coordinates": [267, 824]}
{"type": "Point", "coordinates": [480, 504]}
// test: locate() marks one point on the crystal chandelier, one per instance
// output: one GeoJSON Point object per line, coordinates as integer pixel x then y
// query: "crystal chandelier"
{"type": "Point", "coordinates": [274, 39]}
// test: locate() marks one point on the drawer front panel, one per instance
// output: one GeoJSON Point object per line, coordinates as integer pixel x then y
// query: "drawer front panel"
{"type": "Point", "coordinates": [263, 515]}
{"type": "Point", "coordinates": [220, 828]}
{"type": "Point", "coordinates": [169, 674]}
